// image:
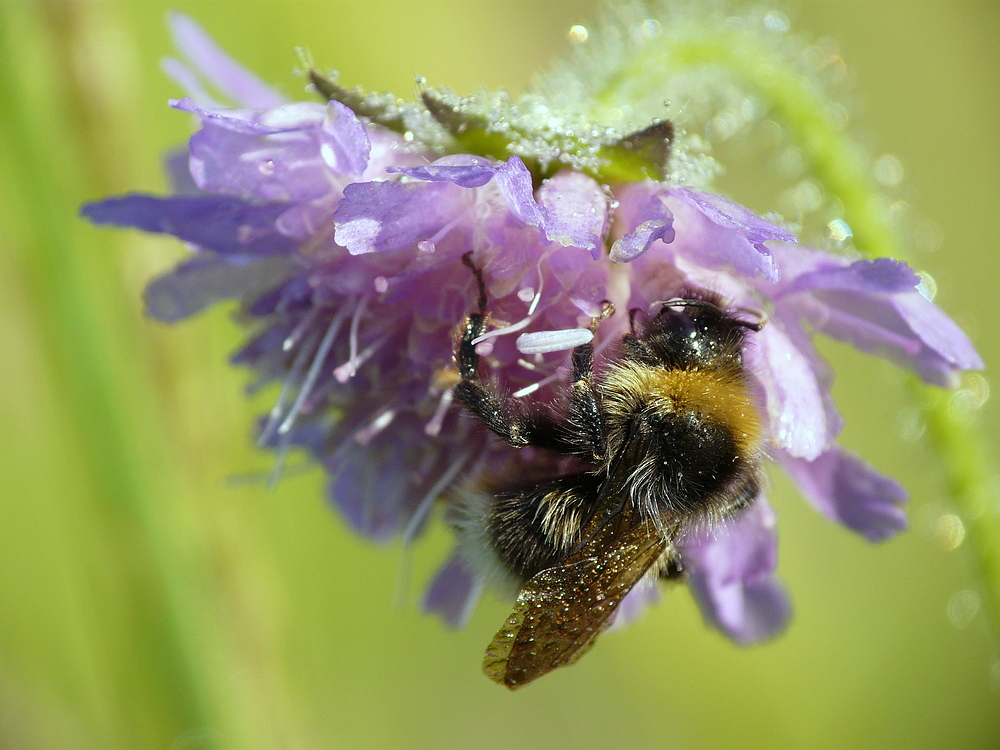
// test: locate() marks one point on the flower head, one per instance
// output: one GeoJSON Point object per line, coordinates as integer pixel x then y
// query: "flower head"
{"type": "Point", "coordinates": [341, 229]}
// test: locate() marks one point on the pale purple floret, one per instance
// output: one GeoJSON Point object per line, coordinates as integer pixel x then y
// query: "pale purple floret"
{"type": "Point", "coordinates": [343, 244]}
{"type": "Point", "coordinates": [731, 574]}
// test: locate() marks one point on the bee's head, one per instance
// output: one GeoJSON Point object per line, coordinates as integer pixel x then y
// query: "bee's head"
{"type": "Point", "coordinates": [693, 332]}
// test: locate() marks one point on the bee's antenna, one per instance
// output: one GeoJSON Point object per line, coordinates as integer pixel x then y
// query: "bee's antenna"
{"type": "Point", "coordinates": [756, 325]}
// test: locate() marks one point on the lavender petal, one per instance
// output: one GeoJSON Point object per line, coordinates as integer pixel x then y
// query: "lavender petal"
{"type": "Point", "coordinates": [646, 210]}
{"type": "Point", "coordinates": [847, 490]}
{"type": "Point", "coordinates": [731, 573]}
{"type": "Point", "coordinates": [576, 210]}
{"type": "Point", "coordinates": [796, 401]}
{"type": "Point", "coordinates": [215, 222]}
{"type": "Point", "coordinates": [514, 181]}
{"type": "Point", "coordinates": [207, 279]}
{"type": "Point", "coordinates": [740, 219]}
{"type": "Point", "coordinates": [878, 276]}
{"type": "Point", "coordinates": [471, 175]}
{"type": "Point", "coordinates": [220, 69]}
{"type": "Point", "coordinates": [715, 239]}
{"type": "Point", "coordinates": [344, 141]}
{"type": "Point", "coordinates": [453, 593]}
{"type": "Point", "coordinates": [907, 329]}
{"type": "Point", "coordinates": [386, 216]}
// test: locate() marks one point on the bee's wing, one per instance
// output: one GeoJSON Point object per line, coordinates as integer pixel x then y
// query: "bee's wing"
{"type": "Point", "coordinates": [561, 610]}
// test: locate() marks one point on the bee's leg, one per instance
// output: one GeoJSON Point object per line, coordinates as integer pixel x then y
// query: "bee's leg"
{"type": "Point", "coordinates": [498, 413]}
{"type": "Point", "coordinates": [585, 407]}
{"type": "Point", "coordinates": [745, 494]}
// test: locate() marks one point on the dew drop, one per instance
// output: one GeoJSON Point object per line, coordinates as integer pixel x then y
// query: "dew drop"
{"type": "Point", "coordinates": [650, 28]}
{"type": "Point", "coordinates": [267, 167]}
{"type": "Point", "coordinates": [775, 21]}
{"type": "Point", "coordinates": [426, 246]}
{"type": "Point", "coordinates": [840, 230]}
{"type": "Point", "coordinates": [963, 607]}
{"type": "Point", "coordinates": [949, 531]}
{"type": "Point", "coordinates": [888, 170]}
{"type": "Point", "coordinates": [927, 285]}
{"type": "Point", "coordinates": [381, 284]}
{"type": "Point", "coordinates": [578, 34]}
{"type": "Point", "coordinates": [911, 424]}
{"type": "Point", "coordinates": [963, 405]}
{"type": "Point", "coordinates": [977, 387]}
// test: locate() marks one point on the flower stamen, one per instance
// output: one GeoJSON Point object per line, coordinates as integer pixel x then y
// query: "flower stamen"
{"type": "Point", "coordinates": [314, 370]}
{"type": "Point", "coordinates": [349, 369]}
{"type": "Point", "coordinates": [433, 426]}
{"type": "Point", "coordinates": [383, 420]}
{"type": "Point", "coordinates": [427, 502]}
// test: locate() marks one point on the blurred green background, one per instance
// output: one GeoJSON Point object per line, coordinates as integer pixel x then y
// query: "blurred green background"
{"type": "Point", "coordinates": [155, 594]}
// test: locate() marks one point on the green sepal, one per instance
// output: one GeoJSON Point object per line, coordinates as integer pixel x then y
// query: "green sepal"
{"type": "Point", "coordinates": [356, 101]}
{"type": "Point", "coordinates": [449, 124]}
{"type": "Point", "coordinates": [643, 155]}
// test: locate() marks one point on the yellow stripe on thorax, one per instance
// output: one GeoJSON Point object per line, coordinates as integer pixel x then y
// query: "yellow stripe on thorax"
{"type": "Point", "coordinates": [717, 394]}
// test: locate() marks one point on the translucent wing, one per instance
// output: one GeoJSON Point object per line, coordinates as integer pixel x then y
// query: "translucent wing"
{"type": "Point", "coordinates": [561, 610]}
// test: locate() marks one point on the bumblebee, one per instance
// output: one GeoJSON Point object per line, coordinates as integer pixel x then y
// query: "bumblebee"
{"type": "Point", "coordinates": [665, 436]}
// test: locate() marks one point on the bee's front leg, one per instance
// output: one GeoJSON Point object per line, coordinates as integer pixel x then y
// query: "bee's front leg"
{"type": "Point", "coordinates": [492, 409]}
{"type": "Point", "coordinates": [585, 406]}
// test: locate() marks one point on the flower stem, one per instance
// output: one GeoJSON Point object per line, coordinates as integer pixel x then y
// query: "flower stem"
{"type": "Point", "coordinates": [839, 163]}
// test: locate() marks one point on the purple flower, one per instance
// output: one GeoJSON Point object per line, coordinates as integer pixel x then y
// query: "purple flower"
{"type": "Point", "coordinates": [344, 240]}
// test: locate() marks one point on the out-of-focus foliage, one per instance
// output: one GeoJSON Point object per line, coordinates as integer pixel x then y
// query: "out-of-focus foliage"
{"type": "Point", "coordinates": [155, 594]}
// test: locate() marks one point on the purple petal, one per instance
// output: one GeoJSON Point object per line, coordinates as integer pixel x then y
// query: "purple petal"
{"type": "Point", "coordinates": [946, 349]}
{"type": "Point", "coordinates": [214, 222]}
{"type": "Point", "coordinates": [847, 490]}
{"type": "Point", "coordinates": [748, 613]}
{"type": "Point", "coordinates": [878, 276]}
{"type": "Point", "coordinates": [453, 593]}
{"type": "Point", "coordinates": [730, 215]}
{"type": "Point", "coordinates": [576, 211]}
{"type": "Point", "coordinates": [274, 155]}
{"type": "Point", "coordinates": [471, 175]}
{"type": "Point", "coordinates": [188, 80]}
{"type": "Point", "coordinates": [713, 239]}
{"type": "Point", "coordinates": [874, 305]}
{"type": "Point", "coordinates": [386, 216]}
{"type": "Point", "coordinates": [514, 181]}
{"type": "Point", "coordinates": [369, 486]}
{"type": "Point", "coordinates": [207, 279]}
{"type": "Point", "coordinates": [796, 401]}
{"type": "Point", "coordinates": [645, 210]}
{"type": "Point", "coordinates": [731, 574]}
{"type": "Point", "coordinates": [630, 246]}
{"type": "Point", "coordinates": [907, 329]}
{"type": "Point", "coordinates": [220, 69]}
{"type": "Point", "coordinates": [344, 141]}
{"type": "Point", "coordinates": [237, 120]}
